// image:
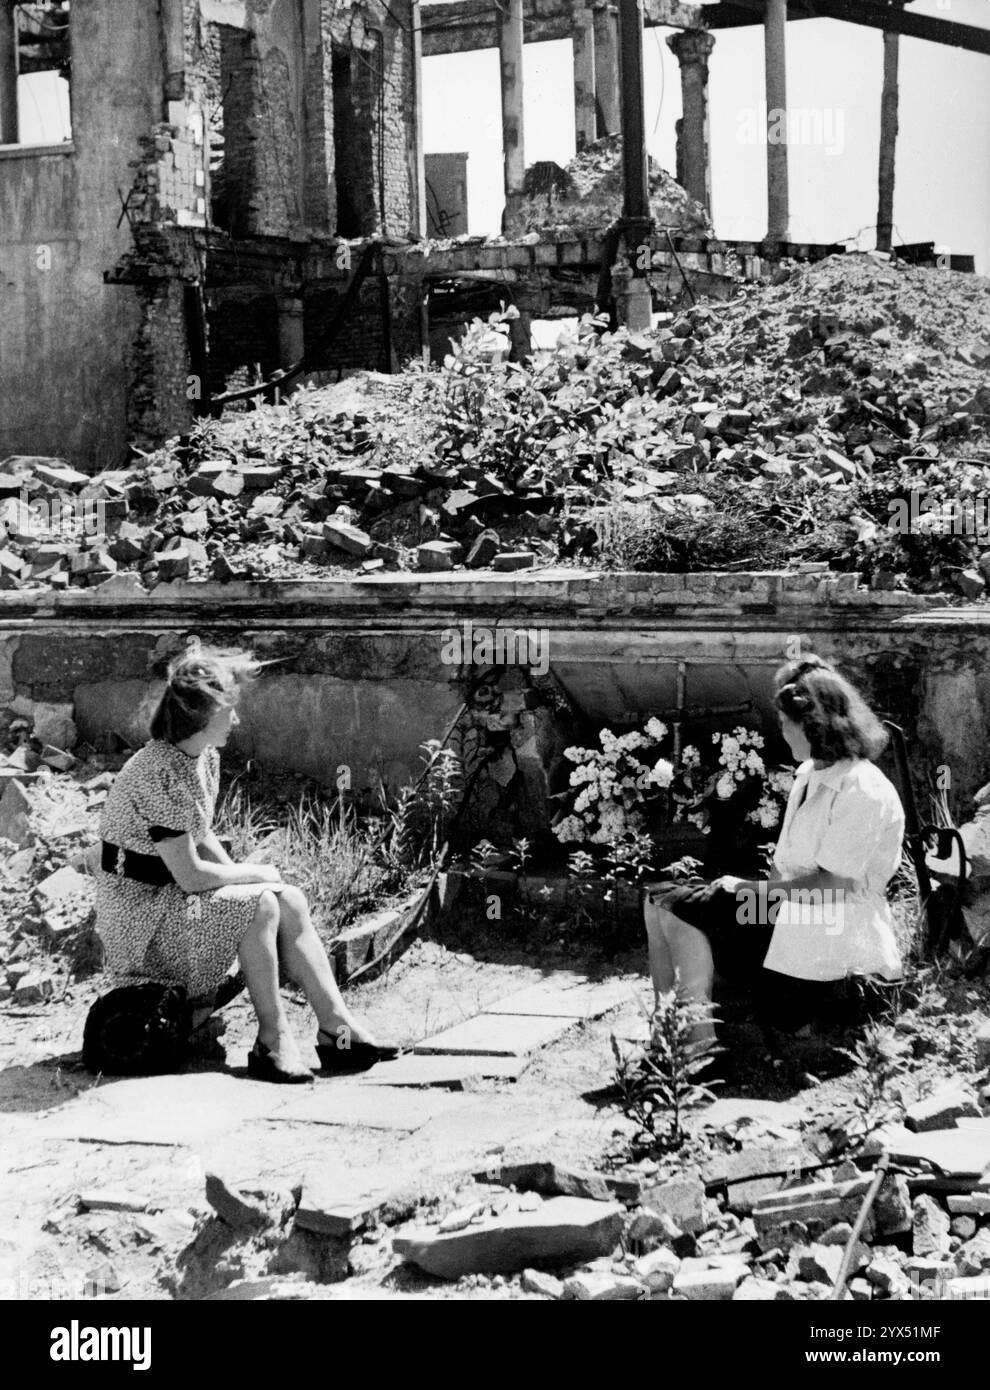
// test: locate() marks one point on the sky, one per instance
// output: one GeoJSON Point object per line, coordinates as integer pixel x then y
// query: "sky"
{"type": "Point", "coordinates": [942, 181]}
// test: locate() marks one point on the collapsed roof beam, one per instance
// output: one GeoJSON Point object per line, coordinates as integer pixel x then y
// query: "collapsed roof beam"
{"type": "Point", "coordinates": [872, 13]}
{"type": "Point", "coordinates": [471, 24]}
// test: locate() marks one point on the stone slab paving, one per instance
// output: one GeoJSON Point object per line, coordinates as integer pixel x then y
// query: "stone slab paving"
{"type": "Point", "coordinates": [497, 1035]}
{"type": "Point", "coordinates": [554, 998]}
{"type": "Point", "coordinates": [186, 1109]}
{"type": "Point", "coordinates": [454, 1072]}
{"type": "Point", "coordinates": [352, 1105]}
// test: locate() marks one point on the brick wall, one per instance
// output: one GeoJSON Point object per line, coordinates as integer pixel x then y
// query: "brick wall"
{"type": "Point", "coordinates": [387, 125]}
{"type": "Point", "coordinates": [157, 404]}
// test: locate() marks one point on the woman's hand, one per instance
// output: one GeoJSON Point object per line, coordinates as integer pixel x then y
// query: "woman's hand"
{"type": "Point", "coordinates": [266, 873]}
{"type": "Point", "coordinates": [730, 884]}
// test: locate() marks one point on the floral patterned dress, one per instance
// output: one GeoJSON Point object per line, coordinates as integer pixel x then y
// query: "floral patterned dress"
{"type": "Point", "coordinates": [158, 933]}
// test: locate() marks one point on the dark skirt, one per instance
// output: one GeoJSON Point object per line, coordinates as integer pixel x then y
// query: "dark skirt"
{"type": "Point", "coordinates": [739, 949]}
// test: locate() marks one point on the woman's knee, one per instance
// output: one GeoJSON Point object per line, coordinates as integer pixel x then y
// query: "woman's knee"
{"type": "Point", "coordinates": [662, 924]}
{"type": "Point", "coordinates": [293, 910]}
{"type": "Point", "coordinates": [266, 914]}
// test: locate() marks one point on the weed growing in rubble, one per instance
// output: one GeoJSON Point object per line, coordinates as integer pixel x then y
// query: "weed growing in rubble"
{"type": "Point", "coordinates": [881, 1057]}
{"type": "Point", "coordinates": [423, 814]}
{"type": "Point", "coordinates": [659, 1084]}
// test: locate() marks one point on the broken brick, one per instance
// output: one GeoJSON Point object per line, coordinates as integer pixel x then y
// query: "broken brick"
{"type": "Point", "coordinates": [343, 536]}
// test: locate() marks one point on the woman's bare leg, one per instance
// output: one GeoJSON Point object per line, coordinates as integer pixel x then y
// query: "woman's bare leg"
{"type": "Point", "coordinates": [306, 963]}
{"type": "Point", "coordinates": [661, 960]}
{"type": "Point", "coordinates": [258, 956]}
{"type": "Point", "coordinates": [694, 969]}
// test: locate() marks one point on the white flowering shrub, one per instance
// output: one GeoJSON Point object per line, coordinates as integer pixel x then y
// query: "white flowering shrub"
{"type": "Point", "coordinates": [617, 788]}
{"type": "Point", "coordinates": [613, 784]}
{"type": "Point", "coordinates": [740, 776]}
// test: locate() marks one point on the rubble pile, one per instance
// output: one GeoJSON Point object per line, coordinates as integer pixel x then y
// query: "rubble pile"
{"type": "Point", "coordinates": [763, 1221]}
{"type": "Point", "coordinates": [796, 414]}
{"type": "Point", "coordinates": [49, 813]}
{"type": "Point", "coordinates": [582, 197]}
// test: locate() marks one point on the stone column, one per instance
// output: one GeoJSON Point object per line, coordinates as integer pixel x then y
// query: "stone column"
{"type": "Point", "coordinates": [888, 142]}
{"type": "Point", "coordinates": [775, 58]}
{"type": "Point", "coordinates": [8, 74]}
{"type": "Point", "coordinates": [418, 151]}
{"type": "Point", "coordinates": [635, 300]}
{"type": "Point", "coordinates": [692, 48]}
{"type": "Point", "coordinates": [291, 335]}
{"type": "Point", "coordinates": [607, 69]}
{"type": "Point", "coordinates": [583, 40]}
{"type": "Point", "coordinates": [513, 142]}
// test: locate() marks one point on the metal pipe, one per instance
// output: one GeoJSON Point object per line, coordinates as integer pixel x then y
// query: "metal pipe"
{"type": "Point", "coordinates": [880, 1172]}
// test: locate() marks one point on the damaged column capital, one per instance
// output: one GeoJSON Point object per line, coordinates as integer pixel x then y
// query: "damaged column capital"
{"type": "Point", "coordinates": [692, 49]}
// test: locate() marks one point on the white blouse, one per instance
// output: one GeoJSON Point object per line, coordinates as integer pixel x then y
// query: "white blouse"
{"type": "Point", "coordinates": [850, 823]}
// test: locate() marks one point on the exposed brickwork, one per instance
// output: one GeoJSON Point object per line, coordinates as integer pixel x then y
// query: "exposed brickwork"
{"type": "Point", "coordinates": [157, 405]}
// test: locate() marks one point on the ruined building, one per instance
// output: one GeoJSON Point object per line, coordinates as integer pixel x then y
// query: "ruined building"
{"type": "Point", "coordinates": [227, 162]}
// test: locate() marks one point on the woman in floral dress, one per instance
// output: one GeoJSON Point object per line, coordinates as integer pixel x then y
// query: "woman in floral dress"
{"type": "Point", "coordinates": [174, 909]}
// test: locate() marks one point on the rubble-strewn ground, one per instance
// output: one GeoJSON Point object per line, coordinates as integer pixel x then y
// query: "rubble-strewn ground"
{"type": "Point", "coordinates": [774, 429]}
{"type": "Point", "coordinates": [106, 1183]}
{"type": "Point", "coordinates": [125, 1202]}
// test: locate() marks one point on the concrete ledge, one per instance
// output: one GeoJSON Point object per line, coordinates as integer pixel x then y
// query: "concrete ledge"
{"type": "Point", "coordinates": [543, 595]}
{"type": "Point", "coordinates": [34, 151]}
{"type": "Point", "coordinates": [371, 936]}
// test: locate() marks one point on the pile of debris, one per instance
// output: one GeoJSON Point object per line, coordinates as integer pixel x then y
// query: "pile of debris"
{"type": "Point", "coordinates": [582, 197]}
{"type": "Point", "coordinates": [49, 813]}
{"type": "Point", "coordinates": [853, 376]}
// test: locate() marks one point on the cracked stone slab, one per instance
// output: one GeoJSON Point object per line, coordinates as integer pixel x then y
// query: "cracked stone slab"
{"type": "Point", "coordinates": [454, 1072]}
{"type": "Point", "coordinates": [357, 1106]}
{"type": "Point", "coordinates": [963, 1152]}
{"type": "Point", "coordinates": [337, 1204]}
{"type": "Point", "coordinates": [176, 1110]}
{"type": "Point", "coordinates": [581, 1000]}
{"type": "Point", "coordinates": [497, 1035]}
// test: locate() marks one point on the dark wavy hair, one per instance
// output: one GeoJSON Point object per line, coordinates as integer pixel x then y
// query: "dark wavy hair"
{"type": "Point", "coordinates": [836, 720]}
{"type": "Point", "coordinates": [199, 682]}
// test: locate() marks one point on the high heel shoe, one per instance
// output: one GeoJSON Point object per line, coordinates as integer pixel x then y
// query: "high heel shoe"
{"type": "Point", "coordinates": [261, 1064]}
{"type": "Point", "coordinates": [355, 1056]}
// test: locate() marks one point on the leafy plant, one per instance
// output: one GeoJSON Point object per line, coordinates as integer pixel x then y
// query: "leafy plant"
{"type": "Point", "coordinates": [658, 1085]}
{"type": "Point", "coordinates": [881, 1056]}
{"type": "Point", "coordinates": [423, 813]}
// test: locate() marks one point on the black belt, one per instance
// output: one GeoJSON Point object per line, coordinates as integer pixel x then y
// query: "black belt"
{"type": "Point", "coordinates": [145, 868]}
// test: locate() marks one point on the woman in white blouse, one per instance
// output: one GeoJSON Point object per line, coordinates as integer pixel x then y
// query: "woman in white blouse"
{"type": "Point", "coordinates": [823, 915]}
